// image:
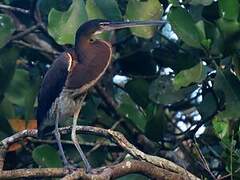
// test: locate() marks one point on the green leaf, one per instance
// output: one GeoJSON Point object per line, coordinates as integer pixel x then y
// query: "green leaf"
{"type": "Point", "coordinates": [8, 57]}
{"type": "Point", "coordinates": [6, 109]}
{"type": "Point", "coordinates": [201, 2]}
{"type": "Point", "coordinates": [228, 28]}
{"type": "Point", "coordinates": [109, 9]}
{"type": "Point", "coordinates": [23, 91]}
{"type": "Point", "coordinates": [229, 84]}
{"type": "Point", "coordinates": [138, 90]}
{"type": "Point", "coordinates": [31, 95]}
{"type": "Point", "coordinates": [174, 2]}
{"type": "Point", "coordinates": [6, 29]}
{"type": "Point", "coordinates": [62, 26]}
{"type": "Point", "coordinates": [94, 12]}
{"type": "Point", "coordinates": [188, 76]}
{"type": "Point", "coordinates": [132, 112]}
{"type": "Point", "coordinates": [143, 10]}
{"type": "Point", "coordinates": [220, 127]}
{"type": "Point", "coordinates": [184, 26]}
{"type": "Point", "coordinates": [6, 112]}
{"type": "Point", "coordinates": [16, 92]}
{"type": "Point", "coordinates": [157, 125]}
{"type": "Point", "coordinates": [46, 156]}
{"type": "Point", "coordinates": [229, 9]}
{"type": "Point", "coordinates": [162, 91]}
{"type": "Point", "coordinates": [204, 107]}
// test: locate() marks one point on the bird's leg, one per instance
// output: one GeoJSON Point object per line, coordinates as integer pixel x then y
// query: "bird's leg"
{"type": "Point", "coordinates": [58, 138]}
{"type": "Point", "coordinates": [75, 141]}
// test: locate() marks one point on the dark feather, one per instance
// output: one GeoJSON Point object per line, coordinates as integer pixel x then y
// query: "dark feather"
{"type": "Point", "coordinates": [51, 87]}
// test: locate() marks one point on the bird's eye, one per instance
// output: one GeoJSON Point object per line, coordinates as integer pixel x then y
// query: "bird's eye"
{"type": "Point", "coordinates": [92, 40]}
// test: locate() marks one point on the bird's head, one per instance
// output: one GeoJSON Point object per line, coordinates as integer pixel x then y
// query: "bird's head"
{"type": "Point", "coordinates": [98, 26]}
{"type": "Point", "coordinates": [83, 43]}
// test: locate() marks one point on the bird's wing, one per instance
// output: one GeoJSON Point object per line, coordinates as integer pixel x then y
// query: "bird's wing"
{"type": "Point", "coordinates": [51, 87]}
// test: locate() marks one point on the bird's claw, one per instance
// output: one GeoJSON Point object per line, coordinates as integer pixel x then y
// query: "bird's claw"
{"type": "Point", "coordinates": [70, 168]}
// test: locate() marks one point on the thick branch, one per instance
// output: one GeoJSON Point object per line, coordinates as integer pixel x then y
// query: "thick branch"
{"type": "Point", "coordinates": [30, 173]}
{"type": "Point", "coordinates": [116, 137]}
{"type": "Point", "coordinates": [125, 168]}
{"type": "Point", "coordinates": [104, 173]}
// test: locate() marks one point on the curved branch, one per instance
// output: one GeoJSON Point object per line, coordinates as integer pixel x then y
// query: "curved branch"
{"type": "Point", "coordinates": [125, 168]}
{"type": "Point", "coordinates": [109, 172]}
{"type": "Point", "coordinates": [116, 137]}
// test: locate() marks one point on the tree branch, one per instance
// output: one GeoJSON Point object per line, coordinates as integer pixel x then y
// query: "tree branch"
{"type": "Point", "coordinates": [24, 33]}
{"type": "Point", "coordinates": [16, 9]}
{"type": "Point", "coordinates": [30, 173]}
{"type": "Point", "coordinates": [109, 172]}
{"type": "Point", "coordinates": [116, 137]}
{"type": "Point", "coordinates": [125, 168]}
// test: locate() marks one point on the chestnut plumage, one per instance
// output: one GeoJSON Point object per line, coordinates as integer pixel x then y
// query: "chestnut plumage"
{"type": "Point", "coordinates": [67, 81]}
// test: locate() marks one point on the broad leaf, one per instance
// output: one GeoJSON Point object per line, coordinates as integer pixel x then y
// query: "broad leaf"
{"type": "Point", "coordinates": [229, 9]}
{"type": "Point", "coordinates": [94, 12]}
{"type": "Point", "coordinates": [108, 8]}
{"type": "Point", "coordinates": [16, 92]}
{"type": "Point", "coordinates": [8, 59]}
{"type": "Point", "coordinates": [201, 2]}
{"type": "Point", "coordinates": [229, 84]}
{"type": "Point", "coordinates": [192, 75]}
{"type": "Point", "coordinates": [6, 112]}
{"type": "Point", "coordinates": [162, 91]}
{"type": "Point", "coordinates": [23, 91]}
{"type": "Point", "coordinates": [184, 26]}
{"type": "Point", "coordinates": [143, 10]}
{"type": "Point", "coordinates": [138, 90]}
{"type": "Point", "coordinates": [220, 127]}
{"type": "Point", "coordinates": [62, 26]}
{"type": "Point", "coordinates": [156, 125]}
{"type": "Point", "coordinates": [228, 28]}
{"type": "Point", "coordinates": [132, 112]}
{"type": "Point", "coordinates": [208, 101]}
{"type": "Point", "coordinates": [46, 156]}
{"type": "Point", "coordinates": [6, 29]}
{"type": "Point", "coordinates": [7, 109]}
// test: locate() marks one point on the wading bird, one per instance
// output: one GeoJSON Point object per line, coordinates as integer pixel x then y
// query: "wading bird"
{"type": "Point", "coordinates": [71, 75]}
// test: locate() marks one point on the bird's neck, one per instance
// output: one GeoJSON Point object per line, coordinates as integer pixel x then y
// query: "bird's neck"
{"type": "Point", "coordinates": [82, 48]}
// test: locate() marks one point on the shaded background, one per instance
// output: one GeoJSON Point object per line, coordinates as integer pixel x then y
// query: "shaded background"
{"type": "Point", "coordinates": [173, 91]}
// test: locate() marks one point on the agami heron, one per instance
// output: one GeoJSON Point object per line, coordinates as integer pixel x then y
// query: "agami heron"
{"type": "Point", "coordinates": [71, 75]}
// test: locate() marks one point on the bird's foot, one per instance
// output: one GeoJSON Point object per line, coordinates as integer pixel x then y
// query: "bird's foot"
{"type": "Point", "coordinates": [89, 170]}
{"type": "Point", "coordinates": [70, 167]}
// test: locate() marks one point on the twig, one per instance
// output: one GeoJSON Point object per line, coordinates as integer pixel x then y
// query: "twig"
{"type": "Point", "coordinates": [101, 143]}
{"type": "Point", "coordinates": [49, 51]}
{"type": "Point", "coordinates": [11, 8]}
{"type": "Point", "coordinates": [105, 144]}
{"type": "Point", "coordinates": [107, 99]}
{"type": "Point", "coordinates": [203, 159]}
{"type": "Point", "coordinates": [24, 33]}
{"type": "Point", "coordinates": [116, 137]}
{"type": "Point", "coordinates": [32, 38]}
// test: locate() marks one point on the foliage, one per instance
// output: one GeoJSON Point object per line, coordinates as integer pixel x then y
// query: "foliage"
{"type": "Point", "coordinates": [179, 77]}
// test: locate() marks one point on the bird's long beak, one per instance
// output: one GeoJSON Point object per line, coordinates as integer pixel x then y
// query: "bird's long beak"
{"type": "Point", "coordinates": [109, 26]}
